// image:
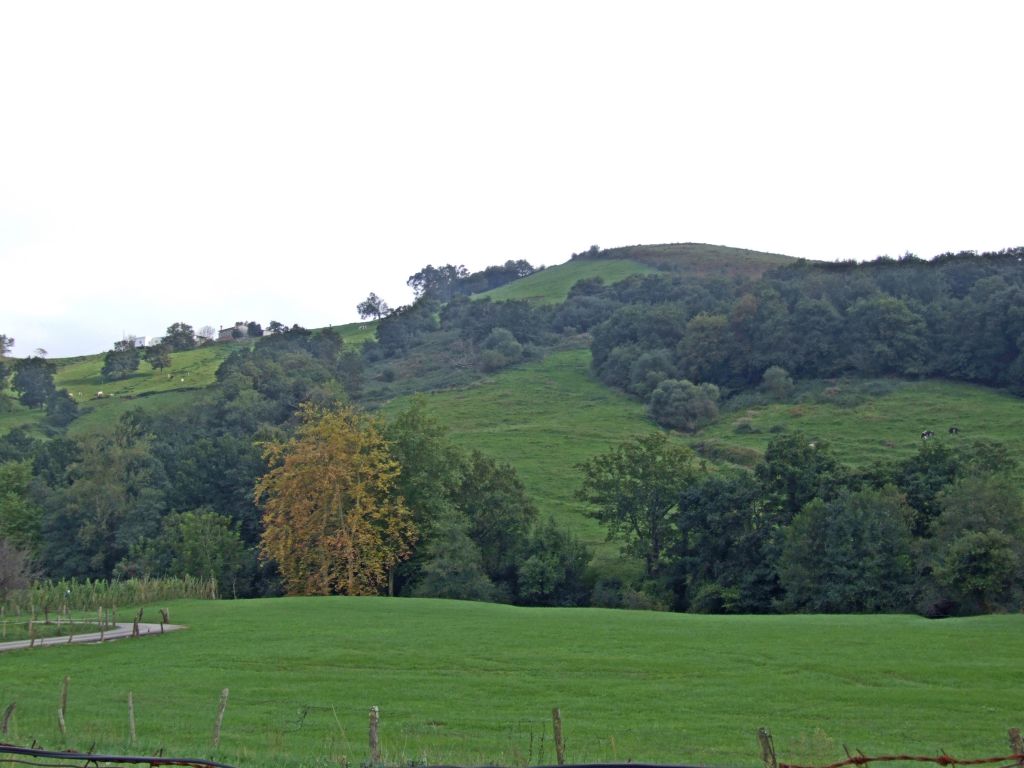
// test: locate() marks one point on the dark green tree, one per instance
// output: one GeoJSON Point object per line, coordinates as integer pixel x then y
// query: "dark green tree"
{"type": "Point", "coordinates": [554, 571]}
{"type": "Point", "coordinates": [500, 514]}
{"type": "Point", "coordinates": [33, 381]}
{"type": "Point", "coordinates": [499, 350]}
{"type": "Point", "coordinates": [179, 337]}
{"type": "Point", "coordinates": [795, 470]}
{"type": "Point", "coordinates": [438, 283]}
{"type": "Point", "coordinates": [634, 489]}
{"type": "Point", "coordinates": [853, 554]}
{"type": "Point", "coordinates": [977, 544]}
{"type": "Point", "coordinates": [120, 362]}
{"type": "Point", "coordinates": [114, 499]}
{"type": "Point", "coordinates": [207, 545]}
{"type": "Point", "coordinates": [374, 306]}
{"type": "Point", "coordinates": [158, 355]}
{"type": "Point", "coordinates": [61, 408]}
{"type": "Point", "coordinates": [20, 515]}
{"type": "Point", "coordinates": [684, 405]}
{"type": "Point", "coordinates": [722, 560]}
{"type": "Point", "coordinates": [453, 565]}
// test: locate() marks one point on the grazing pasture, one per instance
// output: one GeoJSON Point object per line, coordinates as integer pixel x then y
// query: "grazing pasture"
{"type": "Point", "coordinates": [468, 683]}
{"type": "Point", "coordinates": [551, 285]}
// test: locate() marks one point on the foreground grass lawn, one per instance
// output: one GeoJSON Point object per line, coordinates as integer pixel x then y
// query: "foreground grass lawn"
{"type": "Point", "coordinates": [471, 684]}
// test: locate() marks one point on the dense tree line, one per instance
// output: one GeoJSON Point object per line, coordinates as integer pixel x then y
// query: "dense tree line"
{"type": "Point", "coordinates": [939, 533]}
{"type": "Point", "coordinates": [959, 316]}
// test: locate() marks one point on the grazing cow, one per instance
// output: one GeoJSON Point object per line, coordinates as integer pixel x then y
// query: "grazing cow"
{"type": "Point", "coordinates": [927, 434]}
{"type": "Point", "coordinates": [954, 430]}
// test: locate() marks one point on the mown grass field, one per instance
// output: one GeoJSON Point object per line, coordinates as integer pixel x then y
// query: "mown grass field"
{"type": "Point", "coordinates": [467, 683]}
{"type": "Point", "coordinates": [551, 285]}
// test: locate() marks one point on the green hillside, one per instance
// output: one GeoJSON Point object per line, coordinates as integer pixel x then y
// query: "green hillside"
{"type": "Point", "coordinates": [881, 419]}
{"type": "Point", "coordinates": [474, 684]}
{"type": "Point", "coordinates": [551, 285]}
{"type": "Point", "coordinates": [543, 418]}
{"type": "Point", "coordinates": [101, 403]}
{"type": "Point", "coordinates": [698, 259]}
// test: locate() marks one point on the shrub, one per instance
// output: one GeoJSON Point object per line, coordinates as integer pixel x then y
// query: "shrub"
{"type": "Point", "coordinates": [681, 404]}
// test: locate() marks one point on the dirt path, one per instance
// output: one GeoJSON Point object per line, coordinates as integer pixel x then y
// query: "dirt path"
{"type": "Point", "coordinates": [117, 632]}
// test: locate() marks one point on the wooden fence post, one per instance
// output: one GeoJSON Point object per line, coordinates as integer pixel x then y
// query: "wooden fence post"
{"type": "Point", "coordinates": [374, 735]}
{"type": "Point", "coordinates": [6, 719]}
{"type": "Point", "coordinates": [1017, 743]}
{"type": "Point", "coordinates": [556, 720]}
{"type": "Point", "coordinates": [131, 719]}
{"type": "Point", "coordinates": [62, 709]}
{"type": "Point", "coordinates": [767, 748]}
{"type": "Point", "coordinates": [220, 717]}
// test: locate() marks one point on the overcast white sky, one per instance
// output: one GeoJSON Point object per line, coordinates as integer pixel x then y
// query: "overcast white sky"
{"type": "Point", "coordinates": [209, 161]}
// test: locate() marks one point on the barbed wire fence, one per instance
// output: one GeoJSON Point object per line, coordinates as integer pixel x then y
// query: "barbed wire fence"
{"type": "Point", "coordinates": [1014, 760]}
{"type": "Point", "coordinates": [38, 757]}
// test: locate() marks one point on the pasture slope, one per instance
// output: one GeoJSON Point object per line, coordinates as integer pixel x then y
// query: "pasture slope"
{"type": "Point", "coordinates": [148, 388]}
{"type": "Point", "coordinates": [545, 417]}
{"type": "Point", "coordinates": [469, 683]}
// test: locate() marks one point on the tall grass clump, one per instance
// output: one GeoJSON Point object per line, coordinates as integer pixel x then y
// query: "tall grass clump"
{"type": "Point", "coordinates": [89, 594]}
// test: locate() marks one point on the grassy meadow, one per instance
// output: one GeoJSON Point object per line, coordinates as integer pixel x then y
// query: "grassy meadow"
{"type": "Point", "coordinates": [866, 421]}
{"type": "Point", "coordinates": [470, 683]}
{"type": "Point", "coordinates": [102, 403]}
{"type": "Point", "coordinates": [543, 418]}
{"type": "Point", "coordinates": [546, 416]}
{"type": "Point", "coordinates": [701, 259]}
{"type": "Point", "coordinates": [551, 285]}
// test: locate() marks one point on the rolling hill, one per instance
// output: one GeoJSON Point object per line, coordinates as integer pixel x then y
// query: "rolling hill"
{"type": "Point", "coordinates": [547, 415]}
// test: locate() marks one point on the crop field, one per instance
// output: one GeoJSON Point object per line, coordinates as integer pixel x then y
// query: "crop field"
{"type": "Point", "coordinates": [470, 683]}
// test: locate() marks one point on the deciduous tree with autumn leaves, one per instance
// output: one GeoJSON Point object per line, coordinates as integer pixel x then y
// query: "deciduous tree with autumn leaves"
{"type": "Point", "coordinates": [332, 519]}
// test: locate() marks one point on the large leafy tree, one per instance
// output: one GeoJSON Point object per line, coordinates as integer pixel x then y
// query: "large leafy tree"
{"type": "Point", "coordinates": [113, 499]}
{"type": "Point", "coordinates": [158, 355]}
{"type": "Point", "coordinates": [180, 336]}
{"type": "Point", "coordinates": [850, 555]}
{"type": "Point", "coordinates": [500, 513]}
{"type": "Point", "coordinates": [121, 361]}
{"type": "Point", "coordinates": [20, 516]}
{"type": "Point", "coordinates": [437, 282]}
{"type": "Point", "coordinates": [33, 380]}
{"type": "Point", "coordinates": [332, 520]}
{"type": "Point", "coordinates": [374, 306]}
{"type": "Point", "coordinates": [975, 551]}
{"type": "Point", "coordinates": [634, 488]}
